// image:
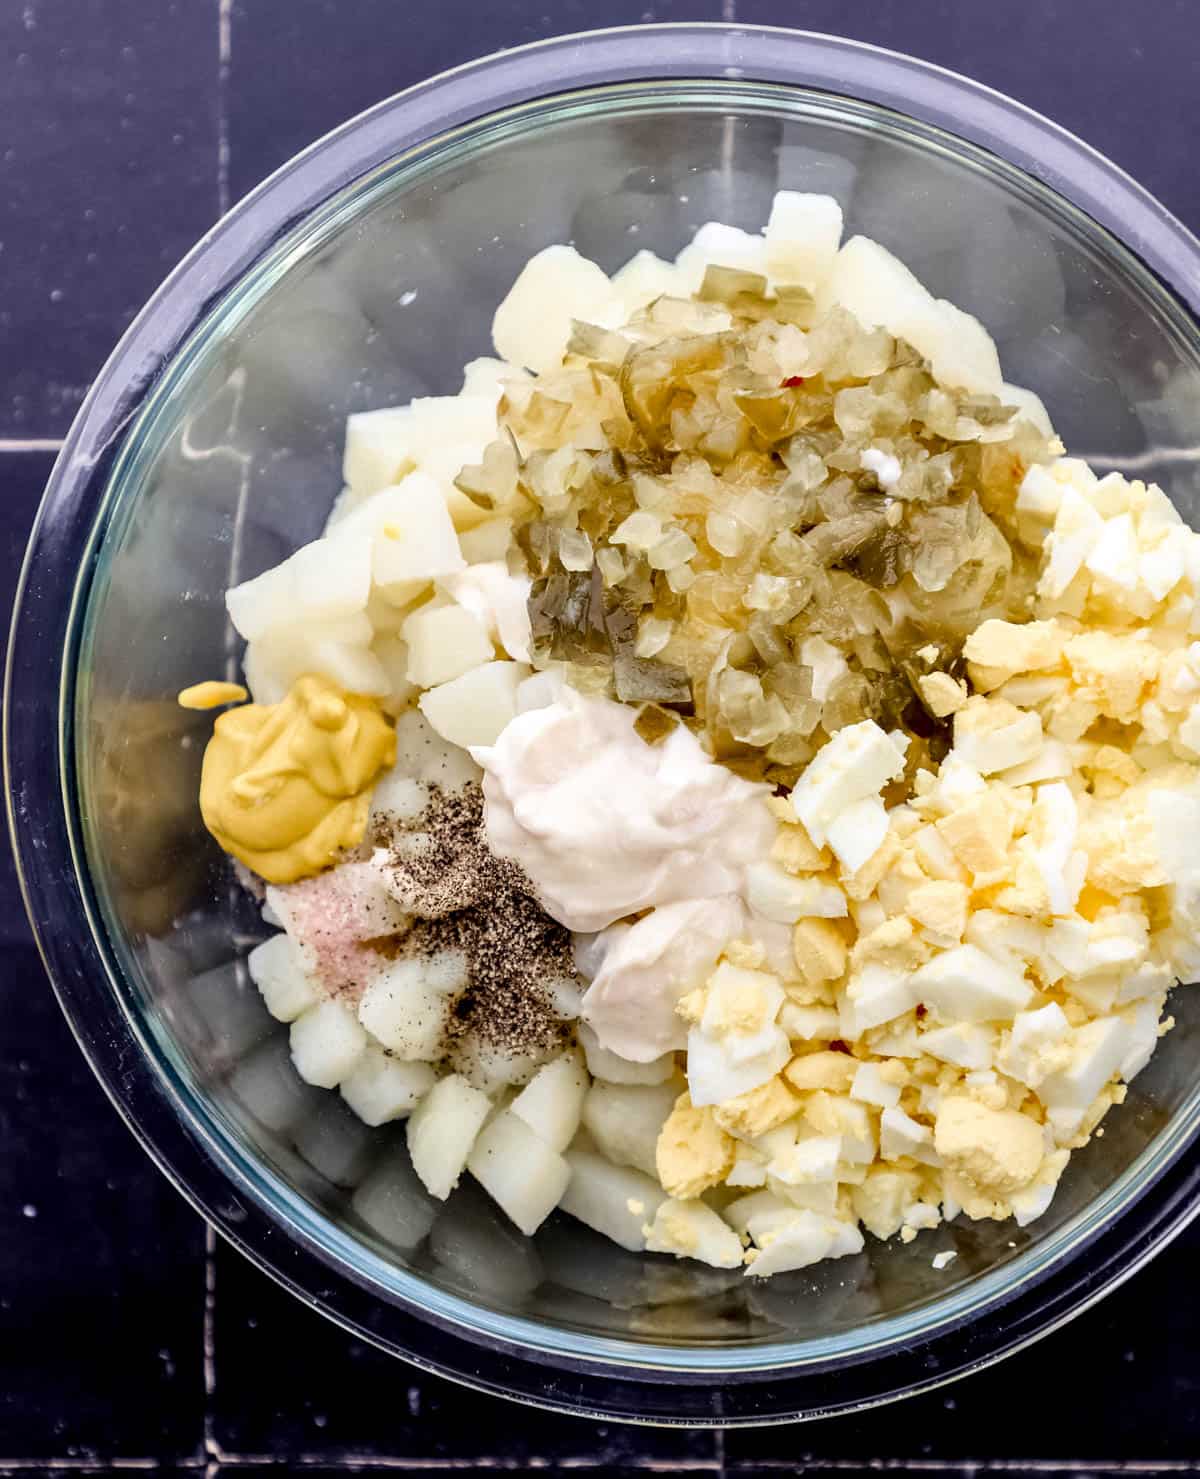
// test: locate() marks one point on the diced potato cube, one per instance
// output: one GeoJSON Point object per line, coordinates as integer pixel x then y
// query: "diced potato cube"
{"type": "Point", "coordinates": [313, 585]}
{"type": "Point", "coordinates": [625, 1121]}
{"type": "Point", "coordinates": [489, 377]}
{"type": "Point", "coordinates": [413, 541]}
{"type": "Point", "coordinates": [276, 969]}
{"type": "Point", "coordinates": [523, 1175]}
{"type": "Point", "coordinates": [406, 1005]}
{"type": "Point", "coordinates": [334, 1143]}
{"type": "Point", "coordinates": [533, 324]}
{"type": "Point", "coordinates": [443, 643]}
{"type": "Point", "coordinates": [327, 1042]}
{"type": "Point", "coordinates": [442, 1130]}
{"type": "Point", "coordinates": [390, 651]}
{"type": "Point", "coordinates": [424, 755]}
{"type": "Point", "coordinates": [267, 1087]}
{"type": "Point", "coordinates": [551, 1103]}
{"type": "Point", "coordinates": [394, 1204]}
{"type": "Point", "coordinates": [613, 1200]}
{"type": "Point", "coordinates": [381, 1088]}
{"type": "Point", "coordinates": [474, 708]}
{"type": "Point", "coordinates": [339, 651]}
{"type": "Point", "coordinates": [803, 235]}
{"type": "Point", "coordinates": [489, 1067]}
{"type": "Point", "coordinates": [880, 291]}
{"type": "Point", "coordinates": [486, 542]}
{"type": "Point", "coordinates": [613, 1069]}
{"type": "Point", "coordinates": [383, 446]}
{"type": "Point", "coordinates": [483, 1252]}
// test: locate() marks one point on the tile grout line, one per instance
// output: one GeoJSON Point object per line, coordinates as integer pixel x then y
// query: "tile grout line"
{"type": "Point", "coordinates": [729, 10]}
{"type": "Point", "coordinates": [224, 60]}
{"type": "Point", "coordinates": [719, 1433]}
{"type": "Point", "coordinates": [212, 1454]}
{"type": "Point", "coordinates": [217, 1458]}
{"type": "Point", "coordinates": [30, 444]}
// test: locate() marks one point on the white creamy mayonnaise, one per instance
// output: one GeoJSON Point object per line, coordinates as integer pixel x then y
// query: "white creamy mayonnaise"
{"type": "Point", "coordinates": [603, 826]}
{"type": "Point", "coordinates": [640, 971]}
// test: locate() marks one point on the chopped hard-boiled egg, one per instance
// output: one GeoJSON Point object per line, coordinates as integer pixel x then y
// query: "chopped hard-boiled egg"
{"type": "Point", "coordinates": [922, 961]}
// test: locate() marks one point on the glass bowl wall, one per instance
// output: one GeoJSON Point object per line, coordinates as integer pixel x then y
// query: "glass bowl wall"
{"type": "Point", "coordinates": [368, 295]}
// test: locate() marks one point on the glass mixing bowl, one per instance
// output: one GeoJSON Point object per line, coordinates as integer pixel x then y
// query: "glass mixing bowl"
{"type": "Point", "coordinates": [366, 272]}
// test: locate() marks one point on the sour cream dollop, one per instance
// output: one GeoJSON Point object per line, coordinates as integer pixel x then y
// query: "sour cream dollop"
{"type": "Point", "coordinates": [605, 825]}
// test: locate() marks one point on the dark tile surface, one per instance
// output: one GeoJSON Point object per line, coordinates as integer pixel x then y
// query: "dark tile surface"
{"type": "Point", "coordinates": [1134, 1355]}
{"type": "Point", "coordinates": [1111, 73]}
{"type": "Point", "coordinates": [297, 71]}
{"type": "Point", "coordinates": [101, 1266]}
{"type": "Point", "coordinates": [266, 1341]}
{"type": "Point", "coordinates": [108, 174]}
{"type": "Point", "coordinates": [113, 115]}
{"type": "Point", "coordinates": [101, 1262]}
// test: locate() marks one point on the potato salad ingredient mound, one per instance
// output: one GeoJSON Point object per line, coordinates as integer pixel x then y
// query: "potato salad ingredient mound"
{"type": "Point", "coordinates": [794, 830]}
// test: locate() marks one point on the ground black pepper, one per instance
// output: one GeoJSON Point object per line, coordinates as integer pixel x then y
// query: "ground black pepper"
{"type": "Point", "coordinates": [467, 899]}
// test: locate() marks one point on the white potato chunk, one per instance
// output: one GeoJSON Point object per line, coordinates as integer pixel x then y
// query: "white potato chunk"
{"type": "Point", "coordinates": [474, 708]}
{"type": "Point", "coordinates": [443, 465]}
{"type": "Point", "coordinates": [1030, 406]}
{"type": "Point", "coordinates": [879, 290]}
{"type": "Point", "coordinates": [390, 651]}
{"type": "Point", "coordinates": [335, 1144]}
{"type": "Point", "coordinates": [277, 970]}
{"type": "Point", "coordinates": [803, 235]}
{"type": "Point", "coordinates": [406, 1005]}
{"type": "Point", "coordinates": [443, 643]}
{"type": "Point", "coordinates": [274, 662]}
{"type": "Point", "coordinates": [413, 540]}
{"type": "Point", "coordinates": [489, 1067]}
{"type": "Point", "coordinates": [519, 1171]}
{"type": "Point", "coordinates": [383, 446]}
{"type": "Point", "coordinates": [327, 1042]}
{"type": "Point", "coordinates": [424, 755]}
{"type": "Point", "coordinates": [267, 1087]}
{"type": "Point", "coordinates": [646, 277]}
{"type": "Point", "coordinates": [381, 1088]}
{"type": "Point", "coordinates": [613, 1069]}
{"type": "Point", "coordinates": [487, 542]}
{"type": "Point", "coordinates": [615, 1201]}
{"type": "Point", "coordinates": [488, 377]}
{"type": "Point", "coordinates": [482, 1252]}
{"type": "Point", "coordinates": [718, 245]}
{"type": "Point", "coordinates": [394, 1204]}
{"type": "Point", "coordinates": [312, 585]}
{"type": "Point", "coordinates": [400, 798]}
{"type": "Point", "coordinates": [551, 1103]}
{"type": "Point", "coordinates": [625, 1120]}
{"type": "Point", "coordinates": [442, 1130]}
{"type": "Point", "coordinates": [533, 324]}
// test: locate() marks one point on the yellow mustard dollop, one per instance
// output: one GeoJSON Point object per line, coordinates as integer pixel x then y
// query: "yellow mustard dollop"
{"type": "Point", "coordinates": [211, 695]}
{"type": "Point", "coordinates": [286, 787]}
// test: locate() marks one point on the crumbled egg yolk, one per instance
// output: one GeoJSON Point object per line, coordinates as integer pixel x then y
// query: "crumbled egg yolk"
{"type": "Point", "coordinates": [1035, 848]}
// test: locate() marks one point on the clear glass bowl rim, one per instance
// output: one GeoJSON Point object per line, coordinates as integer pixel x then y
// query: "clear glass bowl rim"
{"type": "Point", "coordinates": [501, 1353]}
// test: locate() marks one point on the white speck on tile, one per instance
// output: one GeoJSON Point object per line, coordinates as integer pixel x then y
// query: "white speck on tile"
{"type": "Point", "coordinates": [29, 1210]}
{"type": "Point", "coordinates": [407, 298]}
